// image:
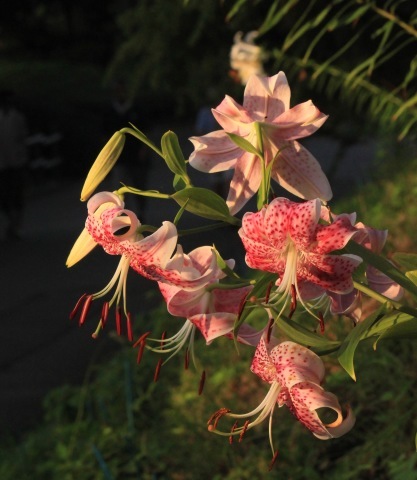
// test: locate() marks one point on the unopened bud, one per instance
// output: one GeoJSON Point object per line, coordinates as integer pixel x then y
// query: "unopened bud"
{"type": "Point", "coordinates": [103, 164]}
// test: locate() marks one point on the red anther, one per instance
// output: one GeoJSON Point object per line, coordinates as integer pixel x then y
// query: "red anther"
{"type": "Point", "coordinates": [244, 428]}
{"type": "Point", "coordinates": [269, 329]}
{"type": "Point", "coordinates": [274, 459]}
{"type": "Point", "coordinates": [141, 339]}
{"type": "Point", "coordinates": [86, 308]}
{"type": "Point", "coordinates": [118, 320]}
{"type": "Point", "coordinates": [104, 313]}
{"type": "Point", "coordinates": [202, 382]}
{"type": "Point", "coordinates": [231, 432]}
{"type": "Point", "coordinates": [129, 327]}
{"type": "Point", "coordinates": [157, 370]}
{"type": "Point", "coordinates": [242, 305]}
{"type": "Point", "coordinates": [187, 359]}
{"type": "Point", "coordinates": [214, 419]}
{"type": "Point", "coordinates": [321, 322]}
{"type": "Point", "coordinates": [268, 292]}
{"type": "Point", "coordinates": [140, 352]}
{"type": "Point", "coordinates": [163, 336]}
{"type": "Point", "coordinates": [293, 301]}
{"type": "Point", "coordinates": [77, 306]}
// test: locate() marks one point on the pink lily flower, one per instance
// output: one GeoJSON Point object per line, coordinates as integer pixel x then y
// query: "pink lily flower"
{"type": "Point", "coordinates": [287, 238]}
{"type": "Point", "coordinates": [212, 310]}
{"type": "Point", "coordinates": [295, 375]}
{"type": "Point", "coordinates": [116, 230]}
{"type": "Point", "coordinates": [266, 103]}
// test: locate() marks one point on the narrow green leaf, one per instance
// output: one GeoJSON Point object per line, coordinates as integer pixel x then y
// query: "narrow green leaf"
{"type": "Point", "coordinates": [348, 347]}
{"type": "Point", "coordinates": [304, 336]}
{"type": "Point", "coordinates": [244, 144]}
{"type": "Point", "coordinates": [205, 203]}
{"type": "Point", "coordinates": [407, 329]}
{"type": "Point", "coordinates": [407, 260]}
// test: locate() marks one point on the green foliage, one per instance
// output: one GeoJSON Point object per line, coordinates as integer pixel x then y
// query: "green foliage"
{"type": "Point", "coordinates": [358, 52]}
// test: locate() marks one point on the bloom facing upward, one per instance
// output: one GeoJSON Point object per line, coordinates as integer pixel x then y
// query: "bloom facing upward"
{"type": "Point", "coordinates": [295, 374]}
{"type": "Point", "coordinates": [286, 238]}
{"type": "Point", "coordinates": [266, 102]}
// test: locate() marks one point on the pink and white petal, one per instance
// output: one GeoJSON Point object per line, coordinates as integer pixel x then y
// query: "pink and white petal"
{"type": "Point", "coordinates": [255, 98]}
{"type": "Point", "coordinates": [262, 364]}
{"type": "Point", "coordinates": [277, 220]}
{"type": "Point", "coordinates": [384, 285]}
{"type": "Point", "coordinates": [245, 181]}
{"type": "Point", "coordinates": [334, 236]}
{"type": "Point", "coordinates": [214, 152]}
{"type": "Point", "coordinates": [300, 121]}
{"type": "Point", "coordinates": [262, 256]}
{"type": "Point", "coordinates": [232, 117]}
{"type": "Point", "coordinates": [349, 304]}
{"type": "Point", "coordinates": [100, 199]}
{"type": "Point", "coordinates": [214, 325]}
{"type": "Point", "coordinates": [280, 96]}
{"type": "Point", "coordinates": [307, 398]}
{"type": "Point", "coordinates": [299, 172]}
{"type": "Point", "coordinates": [229, 300]}
{"type": "Point", "coordinates": [253, 225]}
{"type": "Point", "coordinates": [295, 363]}
{"type": "Point", "coordinates": [155, 249]}
{"type": "Point", "coordinates": [331, 272]}
{"type": "Point", "coordinates": [182, 303]}
{"type": "Point", "coordinates": [303, 223]}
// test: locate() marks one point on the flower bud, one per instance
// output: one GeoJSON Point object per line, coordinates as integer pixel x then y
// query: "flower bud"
{"type": "Point", "coordinates": [103, 164]}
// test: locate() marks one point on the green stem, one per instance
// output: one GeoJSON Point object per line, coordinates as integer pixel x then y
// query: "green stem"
{"type": "Point", "coordinates": [143, 138]}
{"type": "Point", "coordinates": [264, 189]}
{"type": "Point", "coordinates": [383, 299]}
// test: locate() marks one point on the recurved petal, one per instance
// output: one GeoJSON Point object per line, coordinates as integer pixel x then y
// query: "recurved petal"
{"type": "Point", "coordinates": [214, 152]}
{"type": "Point", "coordinates": [153, 250]}
{"type": "Point", "coordinates": [245, 181]}
{"type": "Point", "coordinates": [229, 300]}
{"type": "Point", "coordinates": [384, 285]}
{"type": "Point", "coordinates": [334, 236]}
{"type": "Point", "coordinates": [331, 272]}
{"type": "Point", "coordinates": [232, 117]}
{"type": "Point", "coordinates": [307, 398]}
{"type": "Point", "coordinates": [296, 364]}
{"type": "Point", "coordinates": [262, 365]}
{"type": "Point", "coordinates": [299, 172]}
{"type": "Point", "coordinates": [300, 121]}
{"type": "Point", "coordinates": [214, 325]}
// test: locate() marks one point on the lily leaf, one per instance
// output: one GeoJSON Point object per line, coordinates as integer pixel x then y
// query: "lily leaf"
{"type": "Point", "coordinates": [205, 203]}
{"type": "Point", "coordinates": [348, 347]}
{"type": "Point", "coordinates": [412, 275]}
{"type": "Point", "coordinates": [298, 333]}
{"type": "Point", "coordinates": [244, 144]}
{"type": "Point", "coordinates": [407, 260]}
{"type": "Point", "coordinates": [173, 155]}
{"type": "Point", "coordinates": [406, 329]}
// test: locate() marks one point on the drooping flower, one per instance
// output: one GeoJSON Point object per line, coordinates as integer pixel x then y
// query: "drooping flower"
{"type": "Point", "coordinates": [189, 291]}
{"type": "Point", "coordinates": [116, 229]}
{"type": "Point", "coordinates": [295, 375]}
{"type": "Point", "coordinates": [266, 104]}
{"type": "Point", "coordinates": [287, 238]}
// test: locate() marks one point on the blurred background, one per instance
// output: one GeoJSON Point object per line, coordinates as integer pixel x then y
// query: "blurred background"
{"type": "Point", "coordinates": [76, 71]}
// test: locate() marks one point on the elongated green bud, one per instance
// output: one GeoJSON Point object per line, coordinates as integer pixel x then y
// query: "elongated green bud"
{"type": "Point", "coordinates": [103, 164]}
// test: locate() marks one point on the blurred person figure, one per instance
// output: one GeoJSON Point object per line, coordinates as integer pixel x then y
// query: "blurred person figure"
{"type": "Point", "coordinates": [13, 162]}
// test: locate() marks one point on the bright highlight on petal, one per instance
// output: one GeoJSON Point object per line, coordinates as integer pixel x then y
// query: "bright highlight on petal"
{"type": "Point", "coordinates": [266, 105]}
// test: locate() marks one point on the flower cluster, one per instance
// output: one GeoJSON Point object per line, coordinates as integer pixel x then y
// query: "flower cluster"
{"type": "Point", "coordinates": [307, 265]}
